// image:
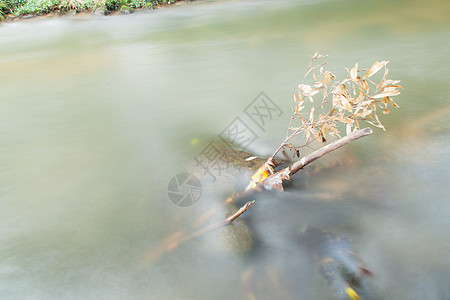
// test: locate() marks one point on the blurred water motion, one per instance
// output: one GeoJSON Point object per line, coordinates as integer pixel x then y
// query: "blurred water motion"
{"type": "Point", "coordinates": [98, 114]}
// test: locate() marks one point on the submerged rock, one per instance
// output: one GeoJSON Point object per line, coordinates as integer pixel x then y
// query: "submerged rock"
{"type": "Point", "coordinates": [337, 263]}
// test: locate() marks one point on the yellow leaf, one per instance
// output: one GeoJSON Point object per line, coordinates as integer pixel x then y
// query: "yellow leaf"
{"type": "Point", "coordinates": [260, 174]}
{"type": "Point", "coordinates": [351, 293]}
{"type": "Point", "coordinates": [375, 68]}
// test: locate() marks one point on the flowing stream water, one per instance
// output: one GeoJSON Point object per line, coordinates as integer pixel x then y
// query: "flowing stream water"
{"type": "Point", "coordinates": [97, 114]}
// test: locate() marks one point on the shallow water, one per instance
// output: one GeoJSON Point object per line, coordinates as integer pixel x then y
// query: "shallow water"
{"type": "Point", "coordinates": [98, 114]}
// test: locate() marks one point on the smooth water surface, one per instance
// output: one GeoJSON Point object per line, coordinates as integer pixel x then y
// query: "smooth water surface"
{"type": "Point", "coordinates": [97, 115]}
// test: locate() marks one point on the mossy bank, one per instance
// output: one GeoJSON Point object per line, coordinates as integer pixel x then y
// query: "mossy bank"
{"type": "Point", "coordinates": [19, 9]}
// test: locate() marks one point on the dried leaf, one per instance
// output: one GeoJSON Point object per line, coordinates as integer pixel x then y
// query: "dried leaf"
{"type": "Point", "coordinates": [304, 88]}
{"type": "Point", "coordinates": [318, 84]}
{"type": "Point", "coordinates": [393, 103]}
{"type": "Point", "coordinates": [390, 82]}
{"type": "Point", "coordinates": [327, 77]}
{"type": "Point", "coordinates": [334, 130]}
{"type": "Point", "coordinates": [364, 85]}
{"type": "Point", "coordinates": [324, 133]}
{"type": "Point", "coordinates": [341, 89]}
{"type": "Point", "coordinates": [354, 73]}
{"type": "Point", "coordinates": [311, 114]}
{"type": "Point", "coordinates": [348, 129]}
{"type": "Point", "coordinates": [308, 134]}
{"type": "Point", "coordinates": [382, 82]}
{"type": "Point", "coordinates": [379, 123]}
{"type": "Point", "coordinates": [345, 103]}
{"type": "Point", "coordinates": [386, 93]}
{"type": "Point", "coordinates": [307, 90]}
{"type": "Point", "coordinates": [309, 71]}
{"type": "Point", "coordinates": [375, 68]}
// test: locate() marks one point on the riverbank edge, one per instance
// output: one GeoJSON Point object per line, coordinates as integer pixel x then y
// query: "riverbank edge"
{"type": "Point", "coordinates": [99, 11]}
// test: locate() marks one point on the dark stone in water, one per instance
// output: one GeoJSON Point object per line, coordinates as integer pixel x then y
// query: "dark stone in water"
{"type": "Point", "coordinates": [336, 261]}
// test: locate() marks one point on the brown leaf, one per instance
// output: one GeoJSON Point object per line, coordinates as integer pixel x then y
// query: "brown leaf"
{"type": "Point", "coordinates": [324, 134]}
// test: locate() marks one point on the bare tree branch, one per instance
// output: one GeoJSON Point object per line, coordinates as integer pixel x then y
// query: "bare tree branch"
{"type": "Point", "coordinates": [223, 223]}
{"type": "Point", "coordinates": [276, 179]}
{"type": "Point", "coordinates": [176, 239]}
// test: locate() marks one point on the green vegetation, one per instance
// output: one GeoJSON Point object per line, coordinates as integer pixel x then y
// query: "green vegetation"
{"type": "Point", "coordinates": [17, 8]}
